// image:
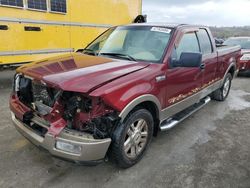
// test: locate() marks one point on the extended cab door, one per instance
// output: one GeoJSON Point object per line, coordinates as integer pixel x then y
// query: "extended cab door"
{"type": "Point", "coordinates": [209, 57]}
{"type": "Point", "coordinates": [183, 82]}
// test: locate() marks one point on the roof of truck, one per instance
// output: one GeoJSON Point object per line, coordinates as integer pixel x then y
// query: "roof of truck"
{"type": "Point", "coordinates": [163, 24]}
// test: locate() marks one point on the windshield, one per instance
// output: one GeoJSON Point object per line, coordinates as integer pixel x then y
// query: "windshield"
{"type": "Point", "coordinates": [243, 42]}
{"type": "Point", "coordinates": [135, 43]}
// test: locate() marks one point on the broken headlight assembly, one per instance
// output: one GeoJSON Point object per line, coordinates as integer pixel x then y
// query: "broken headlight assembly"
{"type": "Point", "coordinates": [16, 82]}
{"type": "Point", "coordinates": [101, 127]}
{"type": "Point", "coordinates": [75, 103]}
{"type": "Point", "coordinates": [22, 86]}
{"type": "Point", "coordinates": [89, 115]}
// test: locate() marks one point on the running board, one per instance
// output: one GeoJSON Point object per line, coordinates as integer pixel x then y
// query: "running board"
{"type": "Point", "coordinates": [176, 119]}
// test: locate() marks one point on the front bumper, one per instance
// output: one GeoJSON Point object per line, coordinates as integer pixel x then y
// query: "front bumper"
{"type": "Point", "coordinates": [92, 150]}
{"type": "Point", "coordinates": [244, 66]}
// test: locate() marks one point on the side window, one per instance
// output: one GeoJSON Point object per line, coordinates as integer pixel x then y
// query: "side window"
{"type": "Point", "coordinates": [37, 4]}
{"type": "Point", "coordinates": [58, 6]}
{"type": "Point", "coordinates": [205, 42]}
{"type": "Point", "coordinates": [188, 43]}
{"type": "Point", "coordinates": [16, 3]}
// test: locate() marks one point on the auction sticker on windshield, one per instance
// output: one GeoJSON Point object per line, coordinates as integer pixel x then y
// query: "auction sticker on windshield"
{"type": "Point", "coordinates": [161, 29]}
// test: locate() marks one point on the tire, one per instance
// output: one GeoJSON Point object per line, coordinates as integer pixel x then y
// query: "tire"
{"type": "Point", "coordinates": [131, 138]}
{"type": "Point", "coordinates": [222, 93]}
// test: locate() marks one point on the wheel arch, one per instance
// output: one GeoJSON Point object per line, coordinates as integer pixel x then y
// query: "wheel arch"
{"type": "Point", "coordinates": [231, 69]}
{"type": "Point", "coordinates": [148, 102]}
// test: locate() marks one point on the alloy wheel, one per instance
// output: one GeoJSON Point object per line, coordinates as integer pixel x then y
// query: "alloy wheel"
{"type": "Point", "coordinates": [226, 87]}
{"type": "Point", "coordinates": [136, 138]}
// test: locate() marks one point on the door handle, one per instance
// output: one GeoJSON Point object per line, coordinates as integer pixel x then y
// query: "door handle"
{"type": "Point", "coordinates": [160, 78]}
{"type": "Point", "coordinates": [202, 66]}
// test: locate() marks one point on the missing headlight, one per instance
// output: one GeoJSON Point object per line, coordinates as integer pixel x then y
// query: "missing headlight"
{"type": "Point", "coordinates": [75, 103]}
{"type": "Point", "coordinates": [16, 82]}
{"type": "Point", "coordinates": [101, 127]}
{"type": "Point", "coordinates": [24, 89]}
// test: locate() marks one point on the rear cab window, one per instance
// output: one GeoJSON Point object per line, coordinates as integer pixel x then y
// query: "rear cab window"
{"type": "Point", "coordinates": [205, 42]}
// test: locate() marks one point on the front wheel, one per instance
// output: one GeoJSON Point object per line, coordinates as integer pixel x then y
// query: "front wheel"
{"type": "Point", "coordinates": [131, 138]}
{"type": "Point", "coordinates": [222, 93]}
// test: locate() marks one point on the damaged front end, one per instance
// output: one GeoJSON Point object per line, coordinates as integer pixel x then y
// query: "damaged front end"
{"type": "Point", "coordinates": [88, 115]}
{"type": "Point", "coordinates": [69, 125]}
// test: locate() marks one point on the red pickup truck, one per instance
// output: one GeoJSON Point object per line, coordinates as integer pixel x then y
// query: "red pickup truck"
{"type": "Point", "coordinates": [112, 97]}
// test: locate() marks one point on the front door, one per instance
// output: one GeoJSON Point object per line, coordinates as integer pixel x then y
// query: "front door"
{"type": "Point", "coordinates": [183, 82]}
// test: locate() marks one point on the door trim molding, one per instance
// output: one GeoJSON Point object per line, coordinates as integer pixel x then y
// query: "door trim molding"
{"type": "Point", "coordinates": [183, 104]}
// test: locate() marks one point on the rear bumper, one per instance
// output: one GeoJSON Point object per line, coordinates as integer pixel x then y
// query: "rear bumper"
{"type": "Point", "coordinates": [91, 150]}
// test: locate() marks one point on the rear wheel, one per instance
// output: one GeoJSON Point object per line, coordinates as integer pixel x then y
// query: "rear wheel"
{"type": "Point", "coordinates": [222, 93]}
{"type": "Point", "coordinates": [131, 138]}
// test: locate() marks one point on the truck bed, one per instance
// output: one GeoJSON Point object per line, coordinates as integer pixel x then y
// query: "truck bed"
{"type": "Point", "coordinates": [225, 50]}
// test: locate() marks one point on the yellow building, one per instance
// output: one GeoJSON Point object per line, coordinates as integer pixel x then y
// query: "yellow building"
{"type": "Point", "coordinates": [35, 29]}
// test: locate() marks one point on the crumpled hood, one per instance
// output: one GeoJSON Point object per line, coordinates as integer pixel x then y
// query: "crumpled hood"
{"type": "Point", "coordinates": [78, 72]}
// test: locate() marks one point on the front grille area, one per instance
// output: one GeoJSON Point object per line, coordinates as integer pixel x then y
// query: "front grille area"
{"type": "Point", "coordinates": [37, 124]}
{"type": "Point", "coordinates": [37, 129]}
{"type": "Point", "coordinates": [41, 94]}
{"type": "Point", "coordinates": [39, 98]}
{"type": "Point", "coordinates": [31, 92]}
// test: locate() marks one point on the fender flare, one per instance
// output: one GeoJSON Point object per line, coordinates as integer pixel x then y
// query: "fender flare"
{"type": "Point", "coordinates": [233, 64]}
{"type": "Point", "coordinates": [137, 101]}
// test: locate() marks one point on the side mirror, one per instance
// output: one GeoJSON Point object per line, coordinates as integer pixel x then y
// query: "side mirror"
{"type": "Point", "coordinates": [189, 59]}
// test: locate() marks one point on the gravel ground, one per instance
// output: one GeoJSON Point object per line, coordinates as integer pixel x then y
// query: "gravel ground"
{"type": "Point", "coordinates": [209, 149]}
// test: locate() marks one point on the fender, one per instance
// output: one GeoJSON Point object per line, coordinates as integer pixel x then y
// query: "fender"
{"type": "Point", "coordinates": [232, 64]}
{"type": "Point", "coordinates": [127, 92]}
{"type": "Point", "coordinates": [137, 101]}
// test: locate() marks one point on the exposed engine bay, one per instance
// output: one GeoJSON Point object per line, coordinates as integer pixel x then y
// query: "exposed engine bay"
{"type": "Point", "coordinates": [81, 112]}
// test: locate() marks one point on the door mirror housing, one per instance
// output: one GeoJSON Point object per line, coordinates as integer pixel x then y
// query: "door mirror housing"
{"type": "Point", "coordinates": [188, 59]}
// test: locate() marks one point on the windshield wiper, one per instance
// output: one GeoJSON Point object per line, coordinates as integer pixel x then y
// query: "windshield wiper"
{"type": "Point", "coordinates": [119, 55]}
{"type": "Point", "coordinates": [88, 51]}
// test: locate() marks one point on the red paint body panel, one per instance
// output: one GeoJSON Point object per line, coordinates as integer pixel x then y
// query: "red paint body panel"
{"type": "Point", "coordinates": [120, 92]}
{"type": "Point", "coordinates": [18, 108]}
{"type": "Point", "coordinates": [86, 79]}
{"type": "Point", "coordinates": [57, 126]}
{"type": "Point", "coordinates": [182, 81]}
{"type": "Point", "coordinates": [80, 73]}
